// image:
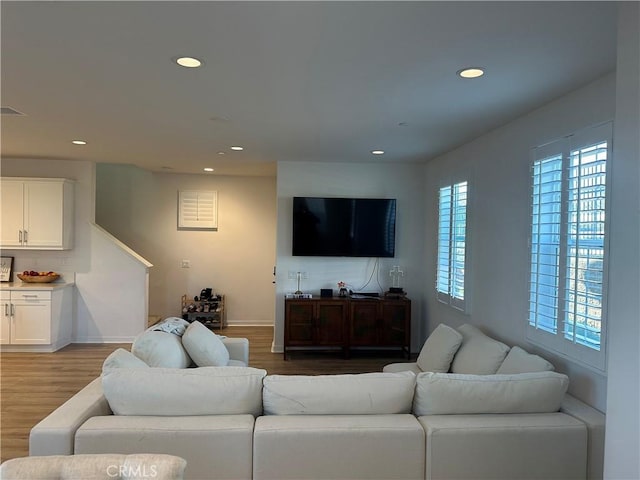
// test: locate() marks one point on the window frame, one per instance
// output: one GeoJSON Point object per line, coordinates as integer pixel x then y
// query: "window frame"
{"type": "Point", "coordinates": [447, 297]}
{"type": "Point", "coordinates": [556, 342]}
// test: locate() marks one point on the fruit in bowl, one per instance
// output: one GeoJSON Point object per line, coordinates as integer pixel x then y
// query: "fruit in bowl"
{"type": "Point", "coordinates": [31, 276]}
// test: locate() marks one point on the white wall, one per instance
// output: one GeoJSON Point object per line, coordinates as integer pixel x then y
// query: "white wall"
{"type": "Point", "coordinates": [402, 182]}
{"type": "Point", "coordinates": [237, 260]}
{"type": "Point", "coordinates": [497, 166]}
{"type": "Point", "coordinates": [112, 296]}
{"type": "Point", "coordinates": [622, 445]}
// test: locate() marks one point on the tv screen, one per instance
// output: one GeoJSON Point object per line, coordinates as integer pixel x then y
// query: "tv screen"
{"type": "Point", "coordinates": [344, 227]}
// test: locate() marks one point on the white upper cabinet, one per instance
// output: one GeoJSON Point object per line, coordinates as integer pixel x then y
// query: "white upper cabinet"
{"type": "Point", "coordinates": [36, 213]}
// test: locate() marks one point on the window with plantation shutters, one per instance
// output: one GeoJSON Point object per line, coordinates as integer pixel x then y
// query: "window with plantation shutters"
{"type": "Point", "coordinates": [197, 209]}
{"type": "Point", "coordinates": [452, 233]}
{"type": "Point", "coordinates": [568, 248]}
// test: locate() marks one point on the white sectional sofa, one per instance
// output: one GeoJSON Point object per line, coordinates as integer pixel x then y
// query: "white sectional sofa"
{"type": "Point", "coordinates": [239, 422]}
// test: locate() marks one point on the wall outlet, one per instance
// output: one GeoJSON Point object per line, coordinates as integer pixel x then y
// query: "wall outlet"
{"type": "Point", "coordinates": [186, 263]}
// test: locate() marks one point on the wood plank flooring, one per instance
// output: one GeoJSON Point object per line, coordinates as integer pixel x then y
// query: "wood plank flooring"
{"type": "Point", "coordinates": [32, 385]}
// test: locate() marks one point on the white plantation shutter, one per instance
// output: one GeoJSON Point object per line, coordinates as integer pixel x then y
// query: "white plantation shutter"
{"type": "Point", "coordinates": [452, 233]}
{"type": "Point", "coordinates": [568, 248]}
{"type": "Point", "coordinates": [198, 209]}
{"type": "Point", "coordinates": [585, 245]}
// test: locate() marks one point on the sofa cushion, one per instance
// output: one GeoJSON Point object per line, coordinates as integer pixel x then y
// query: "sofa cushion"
{"type": "Point", "coordinates": [402, 367]}
{"type": "Point", "coordinates": [358, 394]}
{"type": "Point", "coordinates": [478, 354]}
{"type": "Point", "coordinates": [438, 351]}
{"type": "Point", "coordinates": [204, 347]}
{"type": "Point", "coordinates": [160, 349]}
{"type": "Point", "coordinates": [121, 358]}
{"type": "Point", "coordinates": [520, 361]}
{"type": "Point", "coordinates": [182, 392]}
{"type": "Point", "coordinates": [452, 394]}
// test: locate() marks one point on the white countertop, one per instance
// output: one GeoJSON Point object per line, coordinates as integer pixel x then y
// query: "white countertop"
{"type": "Point", "coordinates": [34, 286]}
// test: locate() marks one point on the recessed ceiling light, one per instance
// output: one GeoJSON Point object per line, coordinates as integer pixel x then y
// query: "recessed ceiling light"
{"type": "Point", "coordinates": [237, 148]}
{"type": "Point", "coordinates": [220, 153]}
{"type": "Point", "coordinates": [78, 142]}
{"type": "Point", "coordinates": [473, 72]}
{"type": "Point", "coordinates": [377, 152]}
{"type": "Point", "coordinates": [189, 62]}
{"type": "Point", "coordinates": [208, 169]}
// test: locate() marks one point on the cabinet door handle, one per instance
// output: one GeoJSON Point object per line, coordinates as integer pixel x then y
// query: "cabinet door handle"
{"type": "Point", "coordinates": [6, 309]}
{"type": "Point", "coordinates": [13, 309]}
{"type": "Point", "coordinates": [24, 295]}
{"type": "Point", "coordinates": [20, 236]}
{"type": "Point", "coordinates": [25, 236]}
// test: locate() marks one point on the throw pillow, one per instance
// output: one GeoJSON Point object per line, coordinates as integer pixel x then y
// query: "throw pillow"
{"type": "Point", "coordinates": [350, 394]}
{"type": "Point", "coordinates": [204, 346]}
{"type": "Point", "coordinates": [520, 361]}
{"type": "Point", "coordinates": [184, 392]}
{"type": "Point", "coordinates": [160, 349]}
{"type": "Point", "coordinates": [453, 394]}
{"type": "Point", "coordinates": [439, 349]}
{"type": "Point", "coordinates": [122, 358]}
{"type": "Point", "coordinates": [478, 354]}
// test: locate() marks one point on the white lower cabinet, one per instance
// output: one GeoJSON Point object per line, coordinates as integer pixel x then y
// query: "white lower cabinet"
{"type": "Point", "coordinates": [36, 320]}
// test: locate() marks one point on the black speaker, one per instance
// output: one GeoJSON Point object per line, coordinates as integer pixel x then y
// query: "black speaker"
{"type": "Point", "coordinates": [326, 292]}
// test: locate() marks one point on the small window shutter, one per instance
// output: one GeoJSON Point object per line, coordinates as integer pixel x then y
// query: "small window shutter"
{"type": "Point", "coordinates": [197, 209]}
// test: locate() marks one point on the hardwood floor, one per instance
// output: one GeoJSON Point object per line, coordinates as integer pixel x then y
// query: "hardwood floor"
{"type": "Point", "coordinates": [32, 385]}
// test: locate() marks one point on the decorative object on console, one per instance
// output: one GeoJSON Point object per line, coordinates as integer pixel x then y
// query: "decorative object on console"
{"type": "Point", "coordinates": [396, 291]}
{"type": "Point", "coordinates": [6, 269]}
{"type": "Point", "coordinates": [343, 292]}
{"type": "Point", "coordinates": [298, 278]}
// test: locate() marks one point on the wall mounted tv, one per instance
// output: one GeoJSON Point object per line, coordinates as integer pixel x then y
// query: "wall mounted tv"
{"type": "Point", "coordinates": [344, 227]}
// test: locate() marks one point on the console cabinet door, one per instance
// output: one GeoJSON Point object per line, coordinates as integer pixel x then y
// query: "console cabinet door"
{"type": "Point", "coordinates": [365, 318]}
{"type": "Point", "coordinates": [395, 323]}
{"type": "Point", "coordinates": [330, 326]}
{"type": "Point", "coordinates": [299, 323]}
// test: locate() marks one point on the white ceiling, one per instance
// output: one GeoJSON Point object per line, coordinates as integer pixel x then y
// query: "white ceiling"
{"type": "Point", "coordinates": [290, 81]}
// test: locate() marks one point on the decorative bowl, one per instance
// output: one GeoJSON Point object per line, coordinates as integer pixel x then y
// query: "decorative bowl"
{"type": "Point", "coordinates": [38, 278]}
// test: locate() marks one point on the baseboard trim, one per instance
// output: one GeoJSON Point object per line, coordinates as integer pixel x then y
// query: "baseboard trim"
{"type": "Point", "coordinates": [105, 340]}
{"type": "Point", "coordinates": [249, 323]}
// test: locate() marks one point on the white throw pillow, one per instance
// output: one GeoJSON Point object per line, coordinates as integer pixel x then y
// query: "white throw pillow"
{"type": "Point", "coordinates": [478, 354]}
{"type": "Point", "coordinates": [204, 347]}
{"type": "Point", "coordinates": [521, 361]}
{"type": "Point", "coordinates": [122, 358]}
{"type": "Point", "coordinates": [183, 392]}
{"type": "Point", "coordinates": [453, 394]}
{"type": "Point", "coordinates": [357, 394]}
{"type": "Point", "coordinates": [439, 349]}
{"type": "Point", "coordinates": [160, 349]}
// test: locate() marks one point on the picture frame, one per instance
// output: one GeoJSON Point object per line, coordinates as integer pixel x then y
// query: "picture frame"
{"type": "Point", "coordinates": [6, 269]}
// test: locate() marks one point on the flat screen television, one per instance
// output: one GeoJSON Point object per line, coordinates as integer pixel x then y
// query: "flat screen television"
{"type": "Point", "coordinates": [344, 227]}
